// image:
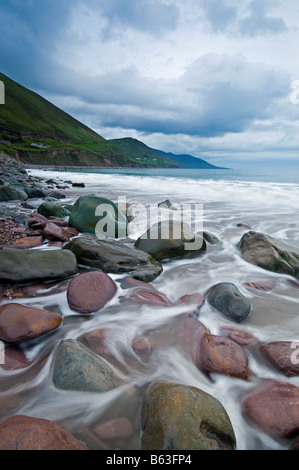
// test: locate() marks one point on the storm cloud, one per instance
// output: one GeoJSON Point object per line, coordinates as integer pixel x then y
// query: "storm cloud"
{"type": "Point", "coordinates": [190, 77]}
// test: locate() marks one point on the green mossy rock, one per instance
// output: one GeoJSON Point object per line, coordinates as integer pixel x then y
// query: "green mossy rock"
{"type": "Point", "coordinates": [270, 254]}
{"type": "Point", "coordinates": [98, 215]}
{"type": "Point", "coordinates": [181, 417]}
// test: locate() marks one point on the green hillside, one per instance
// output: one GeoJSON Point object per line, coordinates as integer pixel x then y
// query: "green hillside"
{"type": "Point", "coordinates": [133, 148]}
{"type": "Point", "coordinates": [37, 132]}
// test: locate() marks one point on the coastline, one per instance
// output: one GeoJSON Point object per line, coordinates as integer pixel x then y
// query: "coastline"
{"type": "Point", "coordinates": [147, 327]}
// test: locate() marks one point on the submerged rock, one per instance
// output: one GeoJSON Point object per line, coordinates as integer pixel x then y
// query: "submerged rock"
{"type": "Point", "coordinates": [19, 323]}
{"type": "Point", "coordinates": [218, 355]}
{"type": "Point", "coordinates": [22, 432]}
{"type": "Point", "coordinates": [170, 239]}
{"type": "Point", "coordinates": [283, 355]}
{"type": "Point", "coordinates": [115, 257]}
{"type": "Point", "coordinates": [274, 408]}
{"type": "Point", "coordinates": [98, 215]}
{"type": "Point", "coordinates": [181, 417]}
{"type": "Point", "coordinates": [228, 300]}
{"type": "Point", "coordinates": [28, 265]}
{"type": "Point", "coordinates": [78, 368]}
{"type": "Point", "coordinates": [270, 254]}
{"type": "Point", "coordinates": [90, 291]}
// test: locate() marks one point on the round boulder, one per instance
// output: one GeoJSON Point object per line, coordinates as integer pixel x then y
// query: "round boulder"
{"type": "Point", "coordinates": [181, 417]}
{"type": "Point", "coordinates": [228, 300]}
{"type": "Point", "coordinates": [90, 291]}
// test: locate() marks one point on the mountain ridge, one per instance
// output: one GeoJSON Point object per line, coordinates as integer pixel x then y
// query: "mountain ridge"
{"type": "Point", "coordinates": [38, 133]}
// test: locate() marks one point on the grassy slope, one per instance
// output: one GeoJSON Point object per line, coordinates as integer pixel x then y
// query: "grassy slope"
{"type": "Point", "coordinates": [26, 117]}
{"type": "Point", "coordinates": [141, 152]}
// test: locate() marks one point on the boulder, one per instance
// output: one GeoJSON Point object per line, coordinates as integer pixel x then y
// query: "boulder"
{"type": "Point", "coordinates": [283, 355]}
{"type": "Point", "coordinates": [181, 417]}
{"type": "Point", "coordinates": [98, 215]}
{"type": "Point", "coordinates": [27, 242]}
{"type": "Point", "coordinates": [22, 432]}
{"type": "Point", "coordinates": [167, 205]}
{"type": "Point", "coordinates": [270, 254]}
{"type": "Point", "coordinates": [115, 257]}
{"type": "Point", "coordinates": [150, 297]}
{"type": "Point", "coordinates": [78, 368]}
{"type": "Point", "coordinates": [54, 232]}
{"type": "Point", "coordinates": [52, 208]}
{"type": "Point", "coordinates": [218, 355]}
{"type": "Point", "coordinates": [12, 193]}
{"type": "Point", "coordinates": [212, 354]}
{"type": "Point", "coordinates": [170, 239]}
{"type": "Point", "coordinates": [89, 292]}
{"type": "Point", "coordinates": [228, 300]}
{"type": "Point", "coordinates": [32, 265]}
{"type": "Point", "coordinates": [274, 408]}
{"type": "Point", "coordinates": [19, 323]}
{"type": "Point", "coordinates": [35, 193]}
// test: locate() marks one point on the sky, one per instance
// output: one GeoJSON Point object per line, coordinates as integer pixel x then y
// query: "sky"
{"type": "Point", "coordinates": [217, 79]}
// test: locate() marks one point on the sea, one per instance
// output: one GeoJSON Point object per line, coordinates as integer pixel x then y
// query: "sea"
{"type": "Point", "coordinates": [224, 203]}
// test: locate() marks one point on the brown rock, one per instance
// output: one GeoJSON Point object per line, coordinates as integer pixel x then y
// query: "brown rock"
{"type": "Point", "coordinates": [19, 323]}
{"type": "Point", "coordinates": [151, 298]}
{"type": "Point", "coordinates": [195, 300]}
{"type": "Point", "coordinates": [55, 232]}
{"type": "Point", "coordinates": [115, 428]}
{"type": "Point", "coordinates": [25, 433]}
{"type": "Point", "coordinates": [130, 282]}
{"type": "Point", "coordinates": [14, 359]}
{"type": "Point", "coordinates": [90, 291]}
{"type": "Point", "coordinates": [260, 285]}
{"type": "Point", "coordinates": [222, 356]}
{"type": "Point", "coordinates": [95, 340]}
{"type": "Point", "coordinates": [189, 334]}
{"type": "Point", "coordinates": [274, 408]}
{"type": "Point", "coordinates": [283, 355]}
{"type": "Point", "coordinates": [27, 243]}
{"type": "Point", "coordinates": [242, 337]}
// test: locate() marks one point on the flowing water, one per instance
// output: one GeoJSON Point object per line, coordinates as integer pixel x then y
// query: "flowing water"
{"type": "Point", "coordinates": [264, 202]}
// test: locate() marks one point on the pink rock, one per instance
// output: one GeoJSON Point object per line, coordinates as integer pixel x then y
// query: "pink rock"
{"type": "Point", "coordinates": [130, 282]}
{"type": "Point", "coordinates": [283, 355]}
{"type": "Point", "coordinates": [151, 298]}
{"type": "Point", "coordinates": [25, 433]}
{"type": "Point", "coordinates": [90, 291]}
{"type": "Point", "coordinates": [220, 355]}
{"type": "Point", "coordinates": [260, 285]}
{"type": "Point", "coordinates": [19, 323]}
{"type": "Point", "coordinates": [55, 232]}
{"type": "Point", "coordinates": [242, 337]}
{"type": "Point", "coordinates": [15, 359]}
{"type": "Point", "coordinates": [274, 408]}
{"type": "Point", "coordinates": [189, 334]}
{"type": "Point", "coordinates": [195, 300]}
{"type": "Point", "coordinates": [115, 428]}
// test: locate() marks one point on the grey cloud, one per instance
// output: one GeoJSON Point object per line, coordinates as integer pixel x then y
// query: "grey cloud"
{"type": "Point", "coordinates": [152, 16]}
{"type": "Point", "coordinates": [219, 14]}
{"type": "Point", "coordinates": [259, 22]}
{"type": "Point", "coordinates": [218, 94]}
